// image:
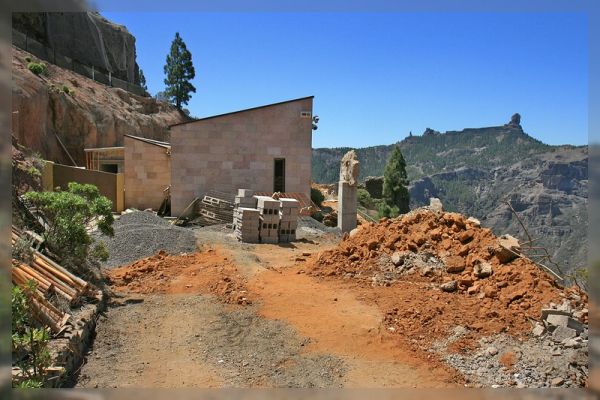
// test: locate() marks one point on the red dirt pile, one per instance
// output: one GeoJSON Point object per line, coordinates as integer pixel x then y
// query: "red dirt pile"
{"type": "Point", "coordinates": [207, 272]}
{"type": "Point", "coordinates": [506, 300]}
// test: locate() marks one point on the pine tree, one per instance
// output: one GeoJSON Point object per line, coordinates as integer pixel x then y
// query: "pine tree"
{"type": "Point", "coordinates": [143, 80]}
{"type": "Point", "coordinates": [179, 71]}
{"type": "Point", "coordinates": [395, 186]}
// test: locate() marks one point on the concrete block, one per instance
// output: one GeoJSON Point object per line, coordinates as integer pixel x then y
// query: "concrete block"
{"type": "Point", "coordinates": [245, 192]}
{"type": "Point", "coordinates": [289, 203]}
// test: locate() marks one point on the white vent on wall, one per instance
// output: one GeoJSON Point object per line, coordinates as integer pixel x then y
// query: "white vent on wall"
{"type": "Point", "coordinates": [305, 114]}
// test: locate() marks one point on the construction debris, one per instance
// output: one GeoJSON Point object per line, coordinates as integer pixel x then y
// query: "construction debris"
{"type": "Point", "coordinates": [51, 280]}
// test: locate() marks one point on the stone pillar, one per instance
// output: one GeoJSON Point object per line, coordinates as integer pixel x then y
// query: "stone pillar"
{"type": "Point", "coordinates": [347, 200]}
{"type": "Point", "coordinates": [346, 206]}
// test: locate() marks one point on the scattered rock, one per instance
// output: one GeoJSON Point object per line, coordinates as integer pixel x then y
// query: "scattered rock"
{"type": "Point", "coordinates": [571, 343]}
{"type": "Point", "coordinates": [435, 204]}
{"type": "Point", "coordinates": [482, 269]}
{"type": "Point", "coordinates": [558, 381]}
{"type": "Point", "coordinates": [465, 236]}
{"type": "Point", "coordinates": [562, 332]}
{"type": "Point", "coordinates": [474, 221]}
{"type": "Point", "coordinates": [372, 244]}
{"type": "Point", "coordinates": [491, 351]}
{"type": "Point", "coordinates": [508, 248]}
{"type": "Point", "coordinates": [576, 325]}
{"type": "Point", "coordinates": [455, 264]}
{"type": "Point", "coordinates": [354, 232]}
{"type": "Point", "coordinates": [398, 258]}
{"type": "Point", "coordinates": [538, 330]}
{"type": "Point", "coordinates": [449, 286]}
{"type": "Point", "coordinates": [558, 320]}
{"type": "Point", "coordinates": [473, 289]}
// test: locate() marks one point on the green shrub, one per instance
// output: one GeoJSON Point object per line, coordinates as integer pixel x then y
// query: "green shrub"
{"type": "Point", "coordinates": [29, 338]}
{"type": "Point", "coordinates": [68, 90]}
{"type": "Point", "coordinates": [38, 68]}
{"type": "Point", "coordinates": [67, 213]}
{"type": "Point", "coordinates": [100, 252]}
{"type": "Point", "coordinates": [388, 212]}
{"type": "Point", "coordinates": [33, 171]}
{"type": "Point", "coordinates": [364, 198]}
{"type": "Point", "coordinates": [316, 196]}
{"type": "Point", "coordinates": [317, 215]}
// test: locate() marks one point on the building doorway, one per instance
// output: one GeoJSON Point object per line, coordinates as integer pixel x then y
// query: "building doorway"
{"type": "Point", "coordinates": [279, 175]}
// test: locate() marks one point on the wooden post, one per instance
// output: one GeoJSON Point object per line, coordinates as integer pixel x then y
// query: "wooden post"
{"type": "Point", "coordinates": [48, 176]}
{"type": "Point", "coordinates": [120, 192]}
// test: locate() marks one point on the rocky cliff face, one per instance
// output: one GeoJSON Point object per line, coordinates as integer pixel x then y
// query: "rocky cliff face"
{"type": "Point", "coordinates": [90, 115]}
{"type": "Point", "coordinates": [86, 37]}
{"type": "Point", "coordinates": [549, 191]}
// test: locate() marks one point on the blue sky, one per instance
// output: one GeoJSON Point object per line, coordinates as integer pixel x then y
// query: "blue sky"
{"type": "Point", "coordinates": [377, 76]}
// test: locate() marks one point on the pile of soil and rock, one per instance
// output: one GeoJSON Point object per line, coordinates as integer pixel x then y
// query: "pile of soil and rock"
{"type": "Point", "coordinates": [207, 272]}
{"type": "Point", "coordinates": [141, 234]}
{"type": "Point", "coordinates": [432, 271]}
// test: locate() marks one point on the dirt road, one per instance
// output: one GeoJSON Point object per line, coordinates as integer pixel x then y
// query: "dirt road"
{"type": "Point", "coordinates": [298, 331]}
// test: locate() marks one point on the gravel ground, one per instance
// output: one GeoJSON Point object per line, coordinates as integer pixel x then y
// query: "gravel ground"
{"type": "Point", "coordinates": [141, 234]}
{"type": "Point", "coordinates": [503, 361]}
{"type": "Point", "coordinates": [309, 228]}
{"type": "Point", "coordinates": [262, 351]}
{"type": "Point", "coordinates": [195, 341]}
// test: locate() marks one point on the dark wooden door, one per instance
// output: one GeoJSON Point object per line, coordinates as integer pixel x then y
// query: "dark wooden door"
{"type": "Point", "coordinates": [279, 175]}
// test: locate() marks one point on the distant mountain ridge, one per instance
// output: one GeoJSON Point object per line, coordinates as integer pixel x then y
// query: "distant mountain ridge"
{"type": "Point", "coordinates": [436, 152]}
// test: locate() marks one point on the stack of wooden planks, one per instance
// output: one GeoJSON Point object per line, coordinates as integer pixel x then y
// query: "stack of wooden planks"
{"type": "Point", "coordinates": [51, 279]}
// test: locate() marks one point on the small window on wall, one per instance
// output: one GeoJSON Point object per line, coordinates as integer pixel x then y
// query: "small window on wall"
{"type": "Point", "coordinates": [279, 175]}
{"type": "Point", "coordinates": [113, 168]}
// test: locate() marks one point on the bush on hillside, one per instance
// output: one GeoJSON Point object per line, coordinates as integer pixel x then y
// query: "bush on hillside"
{"type": "Point", "coordinates": [316, 196]}
{"type": "Point", "coordinates": [38, 68]}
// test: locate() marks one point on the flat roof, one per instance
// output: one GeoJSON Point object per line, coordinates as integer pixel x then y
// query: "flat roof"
{"type": "Point", "coordinates": [166, 145]}
{"type": "Point", "coordinates": [244, 110]}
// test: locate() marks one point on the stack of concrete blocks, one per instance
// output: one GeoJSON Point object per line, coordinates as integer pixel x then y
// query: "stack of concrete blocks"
{"type": "Point", "coordinates": [246, 217]}
{"type": "Point", "coordinates": [246, 221]}
{"type": "Point", "coordinates": [268, 209]}
{"type": "Point", "coordinates": [245, 198]}
{"type": "Point", "coordinates": [288, 219]}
